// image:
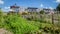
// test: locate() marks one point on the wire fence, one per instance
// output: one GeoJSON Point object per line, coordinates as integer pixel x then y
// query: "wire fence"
{"type": "Point", "coordinates": [47, 17]}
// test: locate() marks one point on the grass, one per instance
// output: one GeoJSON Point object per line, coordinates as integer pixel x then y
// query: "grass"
{"type": "Point", "coordinates": [18, 25]}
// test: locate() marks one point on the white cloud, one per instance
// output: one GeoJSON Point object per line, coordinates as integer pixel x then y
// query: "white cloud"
{"type": "Point", "coordinates": [1, 2]}
{"type": "Point", "coordinates": [50, 8]}
{"type": "Point", "coordinates": [41, 5]}
{"type": "Point", "coordinates": [6, 9]}
{"type": "Point", "coordinates": [58, 1]}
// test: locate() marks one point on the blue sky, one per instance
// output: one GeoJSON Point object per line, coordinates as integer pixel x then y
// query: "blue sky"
{"type": "Point", "coordinates": [30, 3]}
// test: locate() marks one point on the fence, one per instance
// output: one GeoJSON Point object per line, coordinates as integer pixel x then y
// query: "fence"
{"type": "Point", "coordinates": [47, 17]}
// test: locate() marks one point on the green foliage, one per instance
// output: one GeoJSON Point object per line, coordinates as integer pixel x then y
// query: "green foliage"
{"type": "Point", "coordinates": [1, 15]}
{"type": "Point", "coordinates": [18, 25]}
{"type": "Point", "coordinates": [58, 7]}
{"type": "Point", "coordinates": [42, 12]}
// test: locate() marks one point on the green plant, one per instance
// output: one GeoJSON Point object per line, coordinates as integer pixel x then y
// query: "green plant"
{"type": "Point", "coordinates": [18, 25]}
{"type": "Point", "coordinates": [58, 8]}
{"type": "Point", "coordinates": [42, 12]}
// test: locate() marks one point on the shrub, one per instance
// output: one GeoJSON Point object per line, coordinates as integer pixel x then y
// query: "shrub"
{"type": "Point", "coordinates": [18, 25]}
{"type": "Point", "coordinates": [42, 12]}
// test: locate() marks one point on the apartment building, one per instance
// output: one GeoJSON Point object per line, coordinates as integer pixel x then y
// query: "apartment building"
{"type": "Point", "coordinates": [15, 8]}
{"type": "Point", "coordinates": [31, 9]}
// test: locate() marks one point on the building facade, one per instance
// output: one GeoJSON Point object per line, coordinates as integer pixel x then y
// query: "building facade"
{"type": "Point", "coordinates": [48, 10]}
{"type": "Point", "coordinates": [15, 8]}
{"type": "Point", "coordinates": [30, 9]}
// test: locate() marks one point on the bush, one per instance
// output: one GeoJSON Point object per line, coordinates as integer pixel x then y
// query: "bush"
{"type": "Point", "coordinates": [42, 12]}
{"type": "Point", "coordinates": [18, 25]}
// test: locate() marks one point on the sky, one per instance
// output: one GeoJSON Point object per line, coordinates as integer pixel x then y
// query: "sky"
{"type": "Point", "coordinates": [5, 4]}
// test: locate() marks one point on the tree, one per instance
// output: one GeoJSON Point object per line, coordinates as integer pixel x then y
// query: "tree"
{"type": "Point", "coordinates": [58, 8]}
{"type": "Point", "coordinates": [42, 12]}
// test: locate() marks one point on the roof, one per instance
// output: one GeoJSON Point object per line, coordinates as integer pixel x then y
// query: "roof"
{"type": "Point", "coordinates": [14, 7]}
{"type": "Point", "coordinates": [31, 8]}
{"type": "Point", "coordinates": [46, 9]}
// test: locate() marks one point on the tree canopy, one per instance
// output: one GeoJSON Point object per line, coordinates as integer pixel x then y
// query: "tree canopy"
{"type": "Point", "coordinates": [42, 12]}
{"type": "Point", "coordinates": [58, 7]}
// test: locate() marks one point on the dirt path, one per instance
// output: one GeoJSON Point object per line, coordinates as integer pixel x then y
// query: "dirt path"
{"type": "Point", "coordinates": [3, 31]}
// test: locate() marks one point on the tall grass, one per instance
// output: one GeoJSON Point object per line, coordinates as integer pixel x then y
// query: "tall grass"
{"type": "Point", "coordinates": [18, 25]}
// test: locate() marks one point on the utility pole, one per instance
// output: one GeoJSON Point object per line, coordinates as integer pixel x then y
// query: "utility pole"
{"type": "Point", "coordinates": [53, 22]}
{"type": "Point", "coordinates": [52, 19]}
